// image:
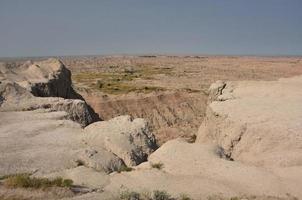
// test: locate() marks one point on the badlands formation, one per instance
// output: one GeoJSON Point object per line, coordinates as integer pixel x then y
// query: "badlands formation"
{"type": "Point", "coordinates": [170, 92]}
{"type": "Point", "coordinates": [249, 144]}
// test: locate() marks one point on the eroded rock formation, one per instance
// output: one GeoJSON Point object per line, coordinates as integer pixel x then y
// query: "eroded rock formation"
{"type": "Point", "coordinates": [170, 114]}
{"type": "Point", "coordinates": [48, 78]}
{"type": "Point", "coordinates": [129, 139]}
{"type": "Point", "coordinates": [250, 142]}
{"type": "Point", "coordinates": [21, 85]}
{"type": "Point", "coordinates": [257, 122]}
{"type": "Point", "coordinates": [41, 125]}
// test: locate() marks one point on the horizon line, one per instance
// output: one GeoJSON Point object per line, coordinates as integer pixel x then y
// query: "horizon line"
{"type": "Point", "coordinates": [153, 54]}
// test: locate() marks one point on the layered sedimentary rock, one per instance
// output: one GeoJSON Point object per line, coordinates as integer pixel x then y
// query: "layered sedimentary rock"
{"type": "Point", "coordinates": [170, 114]}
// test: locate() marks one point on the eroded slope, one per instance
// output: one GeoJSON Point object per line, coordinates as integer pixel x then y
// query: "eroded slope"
{"type": "Point", "coordinates": [257, 122]}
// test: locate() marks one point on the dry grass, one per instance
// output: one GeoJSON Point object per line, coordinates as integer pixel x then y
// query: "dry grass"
{"type": "Point", "coordinates": [125, 169]}
{"type": "Point", "coordinates": [13, 175]}
{"type": "Point", "coordinates": [35, 194]}
{"type": "Point", "coordinates": [252, 197]}
{"type": "Point", "coordinates": [117, 82]}
{"type": "Point", "coordinates": [161, 195]}
{"type": "Point", "coordinates": [25, 181]}
{"type": "Point", "coordinates": [155, 195]}
{"type": "Point", "coordinates": [146, 195]}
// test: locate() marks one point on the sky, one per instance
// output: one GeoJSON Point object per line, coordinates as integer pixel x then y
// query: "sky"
{"type": "Point", "coordinates": [103, 27]}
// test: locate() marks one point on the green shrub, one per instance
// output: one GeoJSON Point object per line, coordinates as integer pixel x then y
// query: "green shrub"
{"type": "Point", "coordinates": [67, 183]}
{"type": "Point", "coordinates": [129, 195]}
{"type": "Point", "coordinates": [124, 169]}
{"type": "Point", "coordinates": [157, 165]}
{"type": "Point", "coordinates": [145, 195]}
{"type": "Point", "coordinates": [161, 195]}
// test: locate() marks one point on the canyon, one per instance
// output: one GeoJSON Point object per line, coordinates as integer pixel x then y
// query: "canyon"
{"type": "Point", "coordinates": [176, 97]}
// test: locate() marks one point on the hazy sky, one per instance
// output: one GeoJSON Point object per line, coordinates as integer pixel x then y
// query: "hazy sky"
{"type": "Point", "coordinates": [81, 27]}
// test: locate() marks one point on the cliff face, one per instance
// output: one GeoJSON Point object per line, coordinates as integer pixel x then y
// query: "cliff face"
{"type": "Point", "coordinates": [170, 114]}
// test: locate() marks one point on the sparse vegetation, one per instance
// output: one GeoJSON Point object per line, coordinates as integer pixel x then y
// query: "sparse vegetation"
{"type": "Point", "coordinates": [161, 195]}
{"type": "Point", "coordinates": [3, 197]}
{"type": "Point", "coordinates": [11, 175]}
{"type": "Point", "coordinates": [184, 197]}
{"type": "Point", "coordinates": [125, 169]}
{"type": "Point", "coordinates": [130, 195]}
{"type": "Point", "coordinates": [155, 195]}
{"type": "Point", "coordinates": [120, 82]}
{"type": "Point", "coordinates": [158, 165]}
{"type": "Point", "coordinates": [252, 197]}
{"type": "Point", "coordinates": [25, 181]}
